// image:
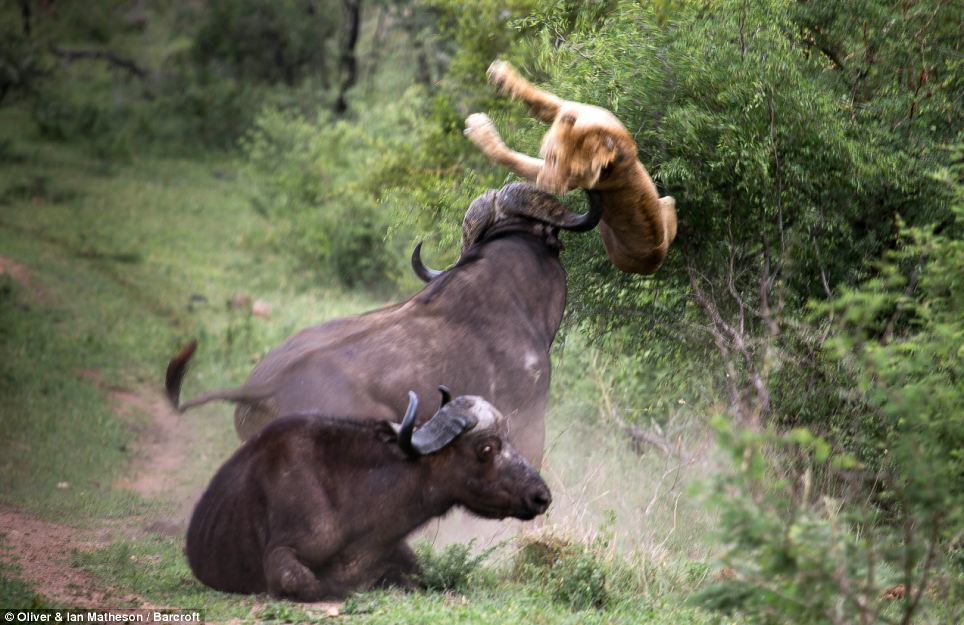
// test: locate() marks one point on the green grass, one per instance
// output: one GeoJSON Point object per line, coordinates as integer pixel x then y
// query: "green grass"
{"type": "Point", "coordinates": [115, 254]}
{"type": "Point", "coordinates": [155, 570]}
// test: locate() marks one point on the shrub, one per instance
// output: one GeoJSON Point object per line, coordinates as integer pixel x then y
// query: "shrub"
{"type": "Point", "coordinates": [325, 182]}
{"type": "Point", "coordinates": [449, 569]}
{"type": "Point", "coordinates": [267, 41]}
{"type": "Point", "coordinates": [818, 537]}
{"type": "Point", "coordinates": [573, 574]}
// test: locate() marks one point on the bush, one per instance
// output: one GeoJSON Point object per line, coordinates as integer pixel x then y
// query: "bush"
{"type": "Point", "coordinates": [450, 569]}
{"type": "Point", "coordinates": [324, 182]}
{"type": "Point", "coordinates": [65, 112]}
{"type": "Point", "coordinates": [573, 574]}
{"type": "Point", "coordinates": [268, 41]}
{"type": "Point", "coordinates": [178, 109]}
{"type": "Point", "coordinates": [818, 537]}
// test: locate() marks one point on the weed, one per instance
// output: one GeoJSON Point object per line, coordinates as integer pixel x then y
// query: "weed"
{"type": "Point", "coordinates": [573, 574]}
{"type": "Point", "coordinates": [449, 569]}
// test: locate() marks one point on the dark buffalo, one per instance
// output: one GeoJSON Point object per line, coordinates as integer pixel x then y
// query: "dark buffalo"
{"type": "Point", "coordinates": [484, 326]}
{"type": "Point", "coordinates": [313, 507]}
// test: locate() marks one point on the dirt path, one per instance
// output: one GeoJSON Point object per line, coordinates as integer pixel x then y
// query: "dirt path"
{"type": "Point", "coordinates": [43, 550]}
{"type": "Point", "coordinates": [161, 449]}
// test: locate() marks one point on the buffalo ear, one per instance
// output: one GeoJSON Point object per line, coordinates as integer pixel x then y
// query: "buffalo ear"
{"type": "Point", "coordinates": [388, 432]}
{"type": "Point", "coordinates": [446, 395]}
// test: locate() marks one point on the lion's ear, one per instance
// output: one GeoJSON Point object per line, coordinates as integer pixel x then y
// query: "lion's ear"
{"type": "Point", "coordinates": [602, 148]}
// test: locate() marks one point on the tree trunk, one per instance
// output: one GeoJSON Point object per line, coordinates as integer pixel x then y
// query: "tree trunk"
{"type": "Point", "coordinates": [25, 17]}
{"type": "Point", "coordinates": [348, 64]}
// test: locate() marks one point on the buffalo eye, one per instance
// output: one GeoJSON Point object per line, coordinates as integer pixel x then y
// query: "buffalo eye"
{"type": "Point", "coordinates": [486, 451]}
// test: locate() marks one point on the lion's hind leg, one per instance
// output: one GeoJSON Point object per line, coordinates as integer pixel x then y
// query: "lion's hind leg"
{"type": "Point", "coordinates": [543, 105]}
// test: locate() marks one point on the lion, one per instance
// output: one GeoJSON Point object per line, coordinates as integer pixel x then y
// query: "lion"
{"type": "Point", "coordinates": [586, 147]}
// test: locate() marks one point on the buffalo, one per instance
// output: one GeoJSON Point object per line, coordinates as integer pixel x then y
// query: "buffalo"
{"type": "Point", "coordinates": [485, 326]}
{"type": "Point", "coordinates": [314, 507]}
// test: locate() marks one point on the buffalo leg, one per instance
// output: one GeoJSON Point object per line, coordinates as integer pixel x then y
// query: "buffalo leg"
{"type": "Point", "coordinates": [400, 568]}
{"type": "Point", "coordinates": [481, 131]}
{"type": "Point", "coordinates": [288, 578]}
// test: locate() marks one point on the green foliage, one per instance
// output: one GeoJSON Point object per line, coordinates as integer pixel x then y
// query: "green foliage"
{"type": "Point", "coordinates": [573, 574]}
{"type": "Point", "coordinates": [176, 109]}
{"type": "Point", "coordinates": [900, 336]}
{"type": "Point", "coordinates": [450, 569]}
{"type": "Point", "coordinates": [22, 65]}
{"type": "Point", "coordinates": [787, 169]}
{"type": "Point", "coordinates": [806, 545]}
{"type": "Point", "coordinates": [168, 77]}
{"type": "Point", "coordinates": [817, 536]}
{"type": "Point", "coordinates": [268, 41]}
{"type": "Point", "coordinates": [579, 580]}
{"type": "Point", "coordinates": [324, 182]}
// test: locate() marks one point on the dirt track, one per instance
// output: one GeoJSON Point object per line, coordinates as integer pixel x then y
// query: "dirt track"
{"type": "Point", "coordinates": [43, 550]}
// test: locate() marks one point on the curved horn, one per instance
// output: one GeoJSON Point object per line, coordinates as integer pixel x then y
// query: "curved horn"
{"type": "Point", "coordinates": [407, 425]}
{"type": "Point", "coordinates": [423, 272]}
{"type": "Point", "coordinates": [446, 395]}
{"type": "Point", "coordinates": [526, 201]}
{"type": "Point", "coordinates": [592, 216]}
{"type": "Point", "coordinates": [441, 430]}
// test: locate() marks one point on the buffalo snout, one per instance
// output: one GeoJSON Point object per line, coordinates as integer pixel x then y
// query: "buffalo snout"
{"type": "Point", "coordinates": [536, 501]}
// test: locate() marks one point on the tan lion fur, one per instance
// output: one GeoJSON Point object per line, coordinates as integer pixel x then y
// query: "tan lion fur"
{"type": "Point", "coordinates": [586, 147]}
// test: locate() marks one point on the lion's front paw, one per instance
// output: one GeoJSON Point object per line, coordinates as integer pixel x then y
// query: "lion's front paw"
{"type": "Point", "coordinates": [501, 75]}
{"type": "Point", "coordinates": [478, 123]}
{"type": "Point", "coordinates": [481, 131]}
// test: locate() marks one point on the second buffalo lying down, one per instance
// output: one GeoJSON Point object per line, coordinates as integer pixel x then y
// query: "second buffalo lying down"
{"type": "Point", "coordinates": [314, 507]}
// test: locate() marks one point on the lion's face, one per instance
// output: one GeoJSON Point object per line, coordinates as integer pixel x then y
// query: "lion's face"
{"type": "Point", "coordinates": [576, 150]}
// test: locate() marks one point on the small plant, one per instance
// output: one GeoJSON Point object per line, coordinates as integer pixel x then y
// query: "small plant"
{"type": "Point", "coordinates": [449, 569]}
{"type": "Point", "coordinates": [579, 579]}
{"type": "Point", "coordinates": [280, 613]}
{"type": "Point", "coordinates": [573, 574]}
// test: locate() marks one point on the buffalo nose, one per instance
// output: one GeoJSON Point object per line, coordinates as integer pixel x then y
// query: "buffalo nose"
{"type": "Point", "coordinates": [539, 499]}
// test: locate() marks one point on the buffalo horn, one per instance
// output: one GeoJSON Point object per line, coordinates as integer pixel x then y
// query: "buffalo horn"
{"type": "Point", "coordinates": [446, 395]}
{"type": "Point", "coordinates": [441, 430]}
{"type": "Point", "coordinates": [423, 272]}
{"type": "Point", "coordinates": [408, 425]}
{"type": "Point", "coordinates": [526, 201]}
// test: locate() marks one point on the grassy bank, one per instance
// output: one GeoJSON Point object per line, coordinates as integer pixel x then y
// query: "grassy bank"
{"type": "Point", "coordinates": [120, 263]}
